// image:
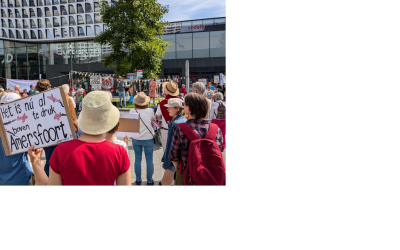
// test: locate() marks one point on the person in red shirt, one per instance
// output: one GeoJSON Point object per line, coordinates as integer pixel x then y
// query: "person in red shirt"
{"type": "Point", "coordinates": [89, 160]}
{"type": "Point", "coordinates": [183, 90]}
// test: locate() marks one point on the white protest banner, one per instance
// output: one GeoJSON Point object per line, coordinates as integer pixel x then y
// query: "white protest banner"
{"type": "Point", "coordinates": [95, 82]}
{"type": "Point", "coordinates": [40, 120]}
{"type": "Point", "coordinates": [216, 79]}
{"type": "Point", "coordinates": [222, 78]}
{"type": "Point", "coordinates": [203, 81]}
{"type": "Point", "coordinates": [23, 84]}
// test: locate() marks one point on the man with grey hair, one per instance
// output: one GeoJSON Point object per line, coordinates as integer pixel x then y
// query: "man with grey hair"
{"type": "Point", "coordinates": [214, 107]}
{"type": "Point", "coordinates": [198, 87]}
{"type": "Point", "coordinates": [66, 90]}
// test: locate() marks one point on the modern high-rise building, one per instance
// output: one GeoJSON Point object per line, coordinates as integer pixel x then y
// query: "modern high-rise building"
{"type": "Point", "coordinates": [46, 38]}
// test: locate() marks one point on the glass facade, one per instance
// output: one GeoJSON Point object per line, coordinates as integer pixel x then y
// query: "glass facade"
{"type": "Point", "coordinates": [195, 45]}
{"type": "Point", "coordinates": [28, 60]}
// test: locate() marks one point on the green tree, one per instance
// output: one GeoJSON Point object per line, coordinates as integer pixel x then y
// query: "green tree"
{"type": "Point", "coordinates": [132, 29]}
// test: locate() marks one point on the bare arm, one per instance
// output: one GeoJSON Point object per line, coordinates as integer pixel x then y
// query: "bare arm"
{"type": "Point", "coordinates": [125, 178]}
{"type": "Point", "coordinates": [37, 165]}
{"type": "Point", "coordinates": [158, 117]}
{"type": "Point", "coordinates": [54, 178]}
{"type": "Point", "coordinates": [176, 164]}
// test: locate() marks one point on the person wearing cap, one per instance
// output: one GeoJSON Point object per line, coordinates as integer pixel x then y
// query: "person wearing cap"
{"type": "Point", "coordinates": [14, 169]}
{"type": "Point", "coordinates": [121, 91]}
{"type": "Point", "coordinates": [175, 110]}
{"type": "Point", "coordinates": [171, 90]}
{"type": "Point", "coordinates": [145, 141]}
{"type": "Point", "coordinates": [98, 161]}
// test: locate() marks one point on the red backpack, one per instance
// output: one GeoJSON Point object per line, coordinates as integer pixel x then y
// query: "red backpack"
{"type": "Point", "coordinates": [205, 165]}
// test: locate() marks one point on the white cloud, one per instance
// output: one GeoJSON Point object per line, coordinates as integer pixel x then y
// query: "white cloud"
{"type": "Point", "coordinates": [180, 10]}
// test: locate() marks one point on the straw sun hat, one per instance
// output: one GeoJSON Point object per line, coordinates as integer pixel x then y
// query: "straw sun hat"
{"type": "Point", "coordinates": [98, 115]}
{"type": "Point", "coordinates": [141, 99]}
{"type": "Point", "coordinates": [171, 88]}
{"type": "Point", "coordinates": [174, 103]}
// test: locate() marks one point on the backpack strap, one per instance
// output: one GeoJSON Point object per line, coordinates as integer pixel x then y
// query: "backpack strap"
{"type": "Point", "coordinates": [212, 132]}
{"type": "Point", "coordinates": [188, 131]}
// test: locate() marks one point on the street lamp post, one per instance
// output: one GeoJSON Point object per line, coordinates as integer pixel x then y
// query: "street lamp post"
{"type": "Point", "coordinates": [70, 55]}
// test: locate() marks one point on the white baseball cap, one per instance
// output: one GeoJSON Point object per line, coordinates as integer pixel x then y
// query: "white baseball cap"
{"type": "Point", "coordinates": [174, 103]}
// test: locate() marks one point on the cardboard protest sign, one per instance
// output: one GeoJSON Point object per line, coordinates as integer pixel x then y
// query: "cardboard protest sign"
{"type": "Point", "coordinates": [95, 82]}
{"type": "Point", "coordinates": [129, 125]}
{"type": "Point", "coordinates": [40, 120]}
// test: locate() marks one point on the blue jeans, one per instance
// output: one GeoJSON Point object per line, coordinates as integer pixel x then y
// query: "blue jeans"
{"type": "Point", "coordinates": [121, 95]}
{"type": "Point", "coordinates": [138, 146]}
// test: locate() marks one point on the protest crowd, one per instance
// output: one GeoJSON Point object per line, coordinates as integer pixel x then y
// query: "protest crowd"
{"type": "Point", "coordinates": [193, 127]}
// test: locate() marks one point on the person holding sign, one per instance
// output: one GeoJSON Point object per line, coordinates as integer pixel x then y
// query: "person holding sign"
{"type": "Point", "coordinates": [14, 169]}
{"type": "Point", "coordinates": [98, 161]}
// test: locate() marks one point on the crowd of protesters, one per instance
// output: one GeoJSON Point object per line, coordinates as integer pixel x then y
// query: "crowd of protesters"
{"type": "Point", "coordinates": [186, 118]}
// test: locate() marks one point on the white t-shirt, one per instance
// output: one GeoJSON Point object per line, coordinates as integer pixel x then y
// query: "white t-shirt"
{"type": "Point", "coordinates": [146, 115]}
{"type": "Point", "coordinates": [164, 123]}
{"type": "Point", "coordinates": [209, 93]}
{"type": "Point", "coordinates": [122, 143]}
{"type": "Point", "coordinates": [80, 89]}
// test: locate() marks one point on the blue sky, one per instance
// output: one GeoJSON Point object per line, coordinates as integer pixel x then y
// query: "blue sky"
{"type": "Point", "coordinates": [180, 10]}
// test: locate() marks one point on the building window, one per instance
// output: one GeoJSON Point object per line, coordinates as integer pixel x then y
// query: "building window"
{"type": "Point", "coordinates": [201, 44]}
{"type": "Point", "coordinates": [97, 18]}
{"type": "Point", "coordinates": [56, 34]}
{"type": "Point", "coordinates": [48, 23]}
{"type": "Point", "coordinates": [55, 2]}
{"type": "Point", "coordinates": [80, 8]}
{"type": "Point", "coordinates": [64, 32]}
{"type": "Point", "coordinates": [10, 15]}
{"type": "Point", "coordinates": [71, 9]}
{"type": "Point", "coordinates": [40, 3]}
{"type": "Point", "coordinates": [89, 31]}
{"type": "Point", "coordinates": [3, 13]}
{"type": "Point", "coordinates": [47, 2]}
{"type": "Point", "coordinates": [63, 10]}
{"type": "Point", "coordinates": [33, 35]}
{"type": "Point", "coordinates": [18, 24]}
{"type": "Point", "coordinates": [96, 7]}
{"type": "Point", "coordinates": [24, 3]}
{"type": "Point", "coordinates": [72, 32]}
{"type": "Point", "coordinates": [26, 35]}
{"type": "Point", "coordinates": [63, 1]}
{"type": "Point", "coordinates": [31, 3]}
{"type": "Point", "coordinates": [55, 22]}
{"type": "Point", "coordinates": [10, 3]}
{"type": "Point", "coordinates": [3, 23]}
{"type": "Point", "coordinates": [10, 24]}
{"type": "Point", "coordinates": [39, 12]}
{"type": "Point", "coordinates": [5, 34]}
{"type": "Point", "coordinates": [47, 11]}
{"type": "Point", "coordinates": [71, 1]}
{"type": "Point", "coordinates": [48, 34]}
{"type": "Point", "coordinates": [40, 34]}
{"type": "Point", "coordinates": [71, 20]}
{"type": "Point", "coordinates": [64, 21]}
{"type": "Point", "coordinates": [19, 35]}
{"type": "Point", "coordinates": [33, 25]}
{"type": "Point", "coordinates": [170, 52]}
{"type": "Point", "coordinates": [3, 4]}
{"type": "Point", "coordinates": [32, 12]}
{"type": "Point", "coordinates": [217, 43]}
{"type": "Point", "coordinates": [89, 19]}
{"type": "Point", "coordinates": [97, 30]}
{"type": "Point", "coordinates": [184, 45]}
{"type": "Point", "coordinates": [40, 23]}
{"type": "Point", "coordinates": [88, 7]}
{"type": "Point", "coordinates": [80, 31]}
{"type": "Point", "coordinates": [55, 11]}
{"type": "Point", "coordinates": [17, 14]}
{"type": "Point", "coordinates": [80, 20]}
{"type": "Point", "coordinates": [25, 13]}
{"type": "Point", "coordinates": [25, 24]}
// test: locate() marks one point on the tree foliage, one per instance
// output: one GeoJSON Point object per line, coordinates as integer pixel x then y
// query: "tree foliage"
{"type": "Point", "coordinates": [132, 29]}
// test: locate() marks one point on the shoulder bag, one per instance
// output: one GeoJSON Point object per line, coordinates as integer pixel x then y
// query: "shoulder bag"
{"type": "Point", "coordinates": [154, 138]}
